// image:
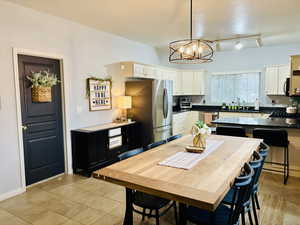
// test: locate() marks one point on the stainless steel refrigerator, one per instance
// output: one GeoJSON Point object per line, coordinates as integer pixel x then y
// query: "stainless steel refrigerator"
{"type": "Point", "coordinates": [151, 107]}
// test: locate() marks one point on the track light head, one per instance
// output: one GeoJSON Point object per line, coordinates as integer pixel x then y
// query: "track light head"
{"type": "Point", "coordinates": [258, 42]}
{"type": "Point", "coordinates": [238, 45]}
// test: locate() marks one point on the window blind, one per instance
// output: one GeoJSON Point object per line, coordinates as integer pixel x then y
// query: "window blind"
{"type": "Point", "coordinates": [229, 87]}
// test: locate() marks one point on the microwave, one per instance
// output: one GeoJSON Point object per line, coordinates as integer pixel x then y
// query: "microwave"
{"type": "Point", "coordinates": [185, 102]}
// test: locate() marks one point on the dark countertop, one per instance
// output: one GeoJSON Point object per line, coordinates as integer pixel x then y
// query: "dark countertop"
{"type": "Point", "coordinates": [259, 122]}
{"type": "Point", "coordinates": [210, 108]}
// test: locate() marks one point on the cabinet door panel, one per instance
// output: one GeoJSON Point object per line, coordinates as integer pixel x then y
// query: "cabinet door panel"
{"type": "Point", "coordinates": [271, 81]}
{"type": "Point", "coordinates": [177, 83]}
{"type": "Point", "coordinates": [197, 83]}
{"type": "Point", "coordinates": [138, 70]}
{"type": "Point", "coordinates": [283, 73]}
{"type": "Point", "coordinates": [187, 82]}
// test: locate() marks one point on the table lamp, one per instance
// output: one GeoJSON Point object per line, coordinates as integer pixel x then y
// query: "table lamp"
{"type": "Point", "coordinates": [124, 103]}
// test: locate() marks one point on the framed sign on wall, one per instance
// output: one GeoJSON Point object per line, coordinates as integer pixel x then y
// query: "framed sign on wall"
{"type": "Point", "coordinates": [99, 92]}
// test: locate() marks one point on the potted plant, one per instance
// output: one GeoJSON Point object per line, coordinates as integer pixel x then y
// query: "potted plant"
{"type": "Point", "coordinates": [41, 84]}
{"type": "Point", "coordinates": [200, 131]}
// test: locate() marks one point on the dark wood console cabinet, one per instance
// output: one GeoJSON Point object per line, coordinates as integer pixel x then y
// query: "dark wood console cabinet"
{"type": "Point", "coordinates": [91, 149]}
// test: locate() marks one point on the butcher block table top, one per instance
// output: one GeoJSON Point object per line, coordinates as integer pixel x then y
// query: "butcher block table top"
{"type": "Point", "coordinates": [203, 186]}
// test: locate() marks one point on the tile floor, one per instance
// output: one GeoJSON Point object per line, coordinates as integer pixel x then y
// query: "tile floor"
{"type": "Point", "coordinates": [76, 200]}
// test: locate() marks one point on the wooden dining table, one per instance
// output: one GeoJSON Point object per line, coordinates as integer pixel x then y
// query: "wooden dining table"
{"type": "Point", "coordinates": [203, 186]}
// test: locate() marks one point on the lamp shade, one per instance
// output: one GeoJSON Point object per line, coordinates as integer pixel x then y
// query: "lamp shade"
{"type": "Point", "coordinates": [124, 102]}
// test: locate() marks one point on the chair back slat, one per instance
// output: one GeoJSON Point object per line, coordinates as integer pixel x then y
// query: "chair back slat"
{"type": "Point", "coordinates": [130, 153]}
{"type": "Point", "coordinates": [172, 138]}
{"type": "Point", "coordinates": [155, 144]}
{"type": "Point", "coordinates": [263, 152]}
{"type": "Point", "coordinates": [256, 163]}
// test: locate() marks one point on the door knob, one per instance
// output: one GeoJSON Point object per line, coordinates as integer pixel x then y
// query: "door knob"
{"type": "Point", "coordinates": [24, 127]}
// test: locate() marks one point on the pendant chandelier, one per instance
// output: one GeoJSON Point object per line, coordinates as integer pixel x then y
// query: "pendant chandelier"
{"type": "Point", "coordinates": [191, 50]}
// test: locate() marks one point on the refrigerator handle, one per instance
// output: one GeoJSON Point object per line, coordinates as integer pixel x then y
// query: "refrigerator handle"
{"type": "Point", "coordinates": [165, 102]}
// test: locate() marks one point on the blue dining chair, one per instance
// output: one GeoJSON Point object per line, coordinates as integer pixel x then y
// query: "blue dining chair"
{"type": "Point", "coordinates": [263, 151]}
{"type": "Point", "coordinates": [149, 202]}
{"type": "Point", "coordinates": [225, 215]}
{"type": "Point", "coordinates": [257, 164]}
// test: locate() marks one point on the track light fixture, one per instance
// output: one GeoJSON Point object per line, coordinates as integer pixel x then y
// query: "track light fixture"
{"type": "Point", "coordinates": [258, 42]}
{"type": "Point", "coordinates": [238, 45]}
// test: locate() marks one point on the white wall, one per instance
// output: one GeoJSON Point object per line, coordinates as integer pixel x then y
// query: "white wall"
{"type": "Point", "coordinates": [85, 52]}
{"type": "Point", "coordinates": [245, 59]}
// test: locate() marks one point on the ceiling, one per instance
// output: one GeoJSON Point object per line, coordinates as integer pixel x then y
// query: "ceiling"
{"type": "Point", "coordinates": [157, 22]}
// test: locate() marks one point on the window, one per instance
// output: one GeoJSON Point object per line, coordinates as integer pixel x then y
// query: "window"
{"type": "Point", "coordinates": [229, 87]}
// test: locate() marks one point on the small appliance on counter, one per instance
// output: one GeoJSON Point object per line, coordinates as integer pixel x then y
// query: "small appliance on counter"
{"type": "Point", "coordinates": [289, 112]}
{"type": "Point", "coordinates": [185, 102]}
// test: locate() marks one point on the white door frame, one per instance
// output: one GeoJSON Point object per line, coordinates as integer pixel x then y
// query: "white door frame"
{"type": "Point", "coordinates": [65, 108]}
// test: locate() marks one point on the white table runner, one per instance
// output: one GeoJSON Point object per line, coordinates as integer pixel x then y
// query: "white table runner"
{"type": "Point", "coordinates": [187, 160]}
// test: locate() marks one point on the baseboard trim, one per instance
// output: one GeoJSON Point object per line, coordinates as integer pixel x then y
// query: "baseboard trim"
{"type": "Point", "coordinates": [12, 193]}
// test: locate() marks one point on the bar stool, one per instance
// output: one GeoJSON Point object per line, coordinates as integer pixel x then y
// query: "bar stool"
{"type": "Point", "coordinates": [231, 131]}
{"type": "Point", "coordinates": [278, 138]}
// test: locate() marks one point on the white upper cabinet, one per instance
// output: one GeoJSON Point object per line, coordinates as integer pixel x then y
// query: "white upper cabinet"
{"type": "Point", "coordinates": [193, 82]}
{"type": "Point", "coordinates": [138, 70]}
{"type": "Point", "coordinates": [187, 82]}
{"type": "Point", "coordinates": [283, 73]}
{"type": "Point", "coordinates": [177, 83]}
{"type": "Point", "coordinates": [184, 82]}
{"type": "Point", "coordinates": [275, 78]}
{"type": "Point", "coordinates": [271, 80]}
{"type": "Point", "coordinates": [199, 83]}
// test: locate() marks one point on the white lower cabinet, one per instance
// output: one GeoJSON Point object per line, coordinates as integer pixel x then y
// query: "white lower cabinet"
{"type": "Point", "coordinates": [275, 78]}
{"type": "Point", "coordinates": [183, 122]}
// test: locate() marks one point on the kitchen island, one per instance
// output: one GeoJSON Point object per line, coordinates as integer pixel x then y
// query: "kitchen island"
{"type": "Point", "coordinates": [259, 122]}
{"type": "Point", "coordinates": [276, 155]}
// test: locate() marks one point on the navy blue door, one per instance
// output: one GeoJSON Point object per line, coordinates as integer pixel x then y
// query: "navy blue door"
{"type": "Point", "coordinates": [42, 123]}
